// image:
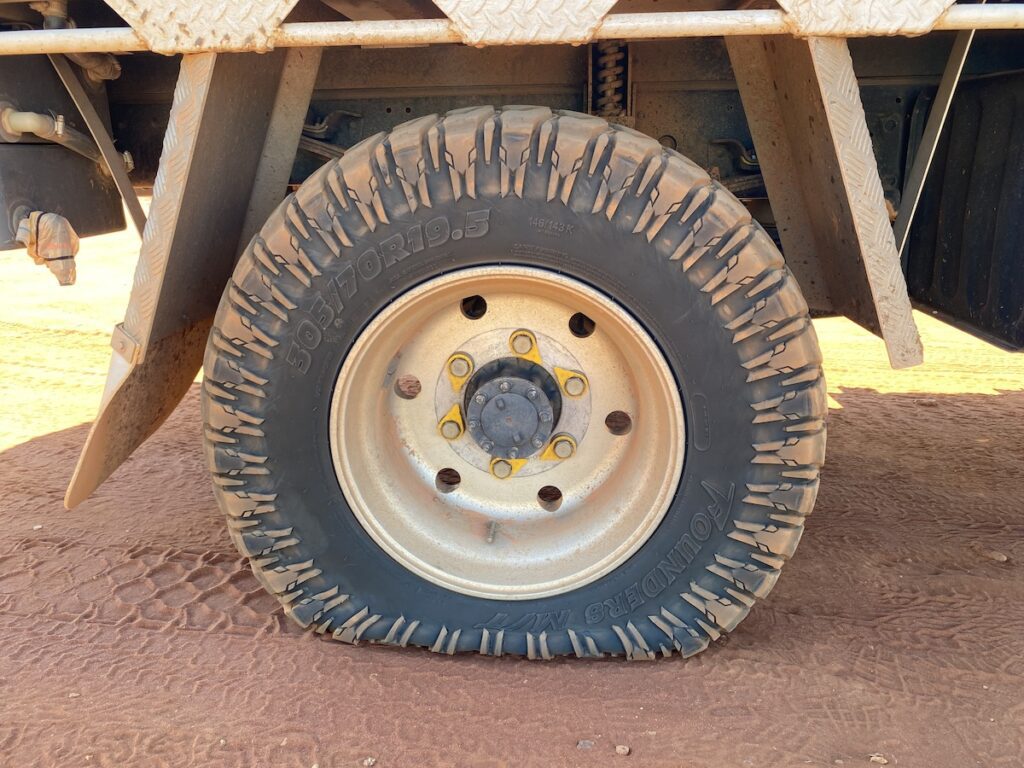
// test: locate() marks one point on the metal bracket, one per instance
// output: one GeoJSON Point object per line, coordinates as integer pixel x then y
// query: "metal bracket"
{"type": "Point", "coordinates": [219, 163]}
{"type": "Point", "coordinates": [805, 114]}
{"type": "Point", "coordinates": [914, 184]}
{"type": "Point", "coordinates": [98, 129]}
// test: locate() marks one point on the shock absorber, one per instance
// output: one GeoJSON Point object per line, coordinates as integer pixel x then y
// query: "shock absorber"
{"type": "Point", "coordinates": [610, 78]}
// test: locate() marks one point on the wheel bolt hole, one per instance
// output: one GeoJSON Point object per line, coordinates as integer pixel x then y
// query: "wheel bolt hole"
{"type": "Point", "coordinates": [474, 307]}
{"type": "Point", "coordinates": [618, 422]}
{"type": "Point", "coordinates": [581, 326]}
{"type": "Point", "coordinates": [549, 497]}
{"type": "Point", "coordinates": [447, 480]}
{"type": "Point", "coordinates": [407, 386]}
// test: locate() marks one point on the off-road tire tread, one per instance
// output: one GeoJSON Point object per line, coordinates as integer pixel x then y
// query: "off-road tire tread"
{"type": "Point", "coordinates": [540, 154]}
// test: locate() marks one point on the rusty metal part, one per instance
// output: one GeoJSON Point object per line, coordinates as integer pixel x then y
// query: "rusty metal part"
{"type": "Point", "coordinates": [626, 26]}
{"type": "Point", "coordinates": [493, 534]}
{"type": "Point", "coordinates": [115, 161]}
{"type": "Point", "coordinates": [203, 190]}
{"type": "Point", "coordinates": [806, 117]}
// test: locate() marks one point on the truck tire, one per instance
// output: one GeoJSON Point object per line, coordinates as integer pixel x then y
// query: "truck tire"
{"type": "Point", "coordinates": [518, 382]}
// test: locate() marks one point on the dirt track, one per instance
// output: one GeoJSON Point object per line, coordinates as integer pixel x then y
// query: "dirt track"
{"type": "Point", "coordinates": [133, 635]}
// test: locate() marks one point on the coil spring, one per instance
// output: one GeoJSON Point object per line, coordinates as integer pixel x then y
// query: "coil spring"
{"type": "Point", "coordinates": [610, 78]}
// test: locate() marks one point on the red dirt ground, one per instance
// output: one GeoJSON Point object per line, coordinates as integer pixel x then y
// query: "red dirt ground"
{"type": "Point", "coordinates": [132, 633]}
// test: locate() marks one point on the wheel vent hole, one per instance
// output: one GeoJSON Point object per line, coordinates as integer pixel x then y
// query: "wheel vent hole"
{"type": "Point", "coordinates": [407, 387]}
{"type": "Point", "coordinates": [549, 497]}
{"type": "Point", "coordinates": [581, 326]}
{"type": "Point", "coordinates": [618, 422]}
{"type": "Point", "coordinates": [447, 480]}
{"type": "Point", "coordinates": [474, 307]}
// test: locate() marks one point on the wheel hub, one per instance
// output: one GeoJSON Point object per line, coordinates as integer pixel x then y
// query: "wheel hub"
{"type": "Point", "coordinates": [507, 432]}
{"type": "Point", "coordinates": [512, 408]}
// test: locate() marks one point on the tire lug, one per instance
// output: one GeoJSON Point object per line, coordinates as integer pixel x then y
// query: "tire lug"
{"type": "Point", "coordinates": [501, 469]}
{"type": "Point", "coordinates": [564, 447]}
{"type": "Point", "coordinates": [459, 367]}
{"type": "Point", "coordinates": [450, 430]}
{"type": "Point", "coordinates": [575, 386]}
{"type": "Point", "coordinates": [521, 343]}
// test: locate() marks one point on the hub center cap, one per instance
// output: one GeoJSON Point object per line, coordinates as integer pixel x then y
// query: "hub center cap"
{"type": "Point", "coordinates": [512, 408]}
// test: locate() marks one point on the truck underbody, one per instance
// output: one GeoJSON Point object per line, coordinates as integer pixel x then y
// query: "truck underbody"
{"type": "Point", "coordinates": [885, 168]}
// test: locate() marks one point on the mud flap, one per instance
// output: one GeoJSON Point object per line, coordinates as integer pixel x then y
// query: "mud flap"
{"type": "Point", "coordinates": [234, 126]}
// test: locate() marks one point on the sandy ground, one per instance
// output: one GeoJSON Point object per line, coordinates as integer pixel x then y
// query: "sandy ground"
{"type": "Point", "coordinates": [132, 634]}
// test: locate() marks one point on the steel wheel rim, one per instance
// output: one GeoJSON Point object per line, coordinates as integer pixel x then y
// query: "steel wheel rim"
{"type": "Point", "coordinates": [491, 536]}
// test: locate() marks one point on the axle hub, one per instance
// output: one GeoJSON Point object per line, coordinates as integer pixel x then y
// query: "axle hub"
{"type": "Point", "coordinates": [512, 407]}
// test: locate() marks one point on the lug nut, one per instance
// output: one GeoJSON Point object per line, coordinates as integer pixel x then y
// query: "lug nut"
{"type": "Point", "coordinates": [564, 448]}
{"type": "Point", "coordinates": [501, 469]}
{"type": "Point", "coordinates": [575, 386]}
{"type": "Point", "coordinates": [459, 367]}
{"type": "Point", "coordinates": [451, 430]}
{"type": "Point", "coordinates": [521, 343]}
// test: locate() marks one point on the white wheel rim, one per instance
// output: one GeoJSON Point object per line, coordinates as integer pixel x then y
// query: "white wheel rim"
{"type": "Point", "coordinates": [495, 537]}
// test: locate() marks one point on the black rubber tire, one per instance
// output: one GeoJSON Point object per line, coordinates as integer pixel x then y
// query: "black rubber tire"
{"type": "Point", "coordinates": [567, 192]}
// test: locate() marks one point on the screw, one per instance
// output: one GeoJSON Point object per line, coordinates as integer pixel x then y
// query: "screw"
{"type": "Point", "coordinates": [575, 386]}
{"type": "Point", "coordinates": [451, 430]}
{"type": "Point", "coordinates": [564, 448]}
{"type": "Point", "coordinates": [504, 386]}
{"type": "Point", "coordinates": [58, 125]}
{"type": "Point", "coordinates": [479, 399]}
{"type": "Point", "coordinates": [536, 442]}
{"type": "Point", "coordinates": [521, 343]}
{"type": "Point", "coordinates": [459, 367]}
{"type": "Point", "coordinates": [531, 393]}
{"type": "Point", "coordinates": [501, 469]}
{"type": "Point", "coordinates": [545, 416]}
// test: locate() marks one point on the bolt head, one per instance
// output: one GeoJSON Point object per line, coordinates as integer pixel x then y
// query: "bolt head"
{"type": "Point", "coordinates": [487, 445]}
{"type": "Point", "coordinates": [575, 386]}
{"type": "Point", "coordinates": [479, 399]}
{"type": "Point", "coordinates": [563, 448]}
{"type": "Point", "coordinates": [459, 367]}
{"type": "Point", "coordinates": [513, 453]}
{"type": "Point", "coordinates": [521, 343]}
{"type": "Point", "coordinates": [504, 386]}
{"type": "Point", "coordinates": [451, 430]}
{"type": "Point", "coordinates": [501, 469]}
{"type": "Point", "coordinates": [531, 393]}
{"type": "Point", "coordinates": [536, 442]}
{"type": "Point", "coordinates": [545, 416]}
{"type": "Point", "coordinates": [473, 423]}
